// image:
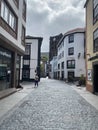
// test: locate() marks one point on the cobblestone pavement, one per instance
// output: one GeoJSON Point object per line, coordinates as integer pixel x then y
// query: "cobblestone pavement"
{"type": "Point", "coordinates": [54, 105]}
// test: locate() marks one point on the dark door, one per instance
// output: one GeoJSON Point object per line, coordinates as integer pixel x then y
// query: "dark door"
{"type": "Point", "coordinates": [26, 74]}
{"type": "Point", "coordinates": [95, 78]}
{"type": "Point", "coordinates": [62, 75]}
{"type": "Point", "coordinates": [70, 76]}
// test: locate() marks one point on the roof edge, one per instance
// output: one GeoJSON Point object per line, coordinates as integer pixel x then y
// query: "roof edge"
{"type": "Point", "coordinates": [76, 30]}
{"type": "Point", "coordinates": [33, 37]}
{"type": "Point", "coordinates": [86, 3]}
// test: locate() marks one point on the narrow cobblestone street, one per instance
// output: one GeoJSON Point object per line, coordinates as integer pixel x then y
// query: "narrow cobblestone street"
{"type": "Point", "coordinates": [54, 105]}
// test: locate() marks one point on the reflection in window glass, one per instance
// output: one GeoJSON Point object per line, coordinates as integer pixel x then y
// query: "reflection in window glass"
{"type": "Point", "coordinates": [8, 15]}
{"type": "Point", "coordinates": [5, 69]}
{"type": "Point", "coordinates": [2, 9]}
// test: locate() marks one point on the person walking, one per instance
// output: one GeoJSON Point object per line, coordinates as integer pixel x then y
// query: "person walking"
{"type": "Point", "coordinates": [36, 80]}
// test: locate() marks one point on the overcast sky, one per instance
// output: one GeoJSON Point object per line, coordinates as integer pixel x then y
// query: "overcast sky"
{"type": "Point", "coordinates": [47, 18]}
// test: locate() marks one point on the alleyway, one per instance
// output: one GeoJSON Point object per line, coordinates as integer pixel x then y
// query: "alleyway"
{"type": "Point", "coordinates": [54, 105]}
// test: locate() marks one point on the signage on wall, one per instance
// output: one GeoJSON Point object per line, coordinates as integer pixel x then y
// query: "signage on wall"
{"type": "Point", "coordinates": [5, 54]}
{"type": "Point", "coordinates": [89, 74]}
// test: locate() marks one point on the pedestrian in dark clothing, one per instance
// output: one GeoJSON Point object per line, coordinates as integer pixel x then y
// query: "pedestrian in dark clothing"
{"type": "Point", "coordinates": [36, 80]}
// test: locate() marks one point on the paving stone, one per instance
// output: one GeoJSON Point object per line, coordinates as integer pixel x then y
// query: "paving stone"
{"type": "Point", "coordinates": [54, 105]}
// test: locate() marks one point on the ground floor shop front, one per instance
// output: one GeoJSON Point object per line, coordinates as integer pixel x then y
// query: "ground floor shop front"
{"type": "Point", "coordinates": [92, 75]}
{"type": "Point", "coordinates": [9, 70]}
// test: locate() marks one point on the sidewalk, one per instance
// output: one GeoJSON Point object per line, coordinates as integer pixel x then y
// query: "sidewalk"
{"type": "Point", "coordinates": [89, 97]}
{"type": "Point", "coordinates": [9, 102]}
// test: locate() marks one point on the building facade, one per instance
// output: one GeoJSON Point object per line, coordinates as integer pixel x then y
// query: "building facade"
{"type": "Point", "coordinates": [44, 64]}
{"type": "Point", "coordinates": [12, 41]}
{"type": "Point", "coordinates": [92, 45]}
{"type": "Point", "coordinates": [53, 45]}
{"type": "Point", "coordinates": [31, 60]}
{"type": "Point", "coordinates": [71, 55]}
{"type": "Point", "coordinates": [53, 68]}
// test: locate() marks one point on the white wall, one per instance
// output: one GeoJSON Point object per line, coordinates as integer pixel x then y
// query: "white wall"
{"type": "Point", "coordinates": [34, 56]}
{"type": "Point", "coordinates": [54, 63]}
{"type": "Point", "coordinates": [62, 59]}
{"type": "Point", "coordinates": [78, 45]}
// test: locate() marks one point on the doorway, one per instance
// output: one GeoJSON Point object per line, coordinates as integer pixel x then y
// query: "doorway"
{"type": "Point", "coordinates": [70, 76]}
{"type": "Point", "coordinates": [95, 78]}
{"type": "Point", "coordinates": [26, 74]}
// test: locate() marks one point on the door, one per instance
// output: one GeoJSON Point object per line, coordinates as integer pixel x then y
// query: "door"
{"type": "Point", "coordinates": [95, 78]}
{"type": "Point", "coordinates": [70, 76]}
{"type": "Point", "coordinates": [26, 74]}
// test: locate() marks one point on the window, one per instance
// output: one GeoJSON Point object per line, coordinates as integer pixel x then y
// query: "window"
{"type": "Point", "coordinates": [27, 49]}
{"type": "Point", "coordinates": [70, 64]}
{"type": "Point", "coordinates": [5, 69]}
{"type": "Point", "coordinates": [71, 51]}
{"type": "Point", "coordinates": [8, 16]}
{"type": "Point", "coordinates": [24, 10]}
{"type": "Point", "coordinates": [12, 21]}
{"type": "Point", "coordinates": [23, 35]}
{"type": "Point", "coordinates": [95, 41]}
{"type": "Point", "coordinates": [62, 64]}
{"type": "Point", "coordinates": [71, 38]}
{"type": "Point", "coordinates": [58, 66]}
{"type": "Point", "coordinates": [62, 53]}
{"type": "Point", "coordinates": [26, 62]}
{"type": "Point", "coordinates": [95, 11]}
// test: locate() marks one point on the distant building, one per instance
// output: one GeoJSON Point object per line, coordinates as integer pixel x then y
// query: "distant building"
{"type": "Point", "coordinates": [71, 55]}
{"type": "Point", "coordinates": [92, 45]}
{"type": "Point", "coordinates": [53, 45]}
{"type": "Point", "coordinates": [44, 64]}
{"type": "Point", "coordinates": [31, 59]}
{"type": "Point", "coordinates": [12, 43]}
{"type": "Point", "coordinates": [53, 68]}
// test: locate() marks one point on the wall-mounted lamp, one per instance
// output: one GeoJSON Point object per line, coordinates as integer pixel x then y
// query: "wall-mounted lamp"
{"type": "Point", "coordinates": [79, 54]}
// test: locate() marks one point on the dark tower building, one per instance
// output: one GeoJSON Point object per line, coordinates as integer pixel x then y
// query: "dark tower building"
{"type": "Point", "coordinates": [53, 45]}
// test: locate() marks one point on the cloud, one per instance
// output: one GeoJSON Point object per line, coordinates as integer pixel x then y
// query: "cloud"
{"type": "Point", "coordinates": [47, 18]}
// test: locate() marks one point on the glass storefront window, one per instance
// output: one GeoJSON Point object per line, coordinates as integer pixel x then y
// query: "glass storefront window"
{"type": "Point", "coordinates": [5, 68]}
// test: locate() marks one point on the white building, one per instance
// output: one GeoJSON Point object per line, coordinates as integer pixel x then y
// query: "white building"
{"type": "Point", "coordinates": [31, 60]}
{"type": "Point", "coordinates": [71, 54]}
{"type": "Point", "coordinates": [53, 68]}
{"type": "Point", "coordinates": [12, 41]}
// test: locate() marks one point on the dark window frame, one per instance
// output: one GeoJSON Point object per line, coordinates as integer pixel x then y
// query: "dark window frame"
{"type": "Point", "coordinates": [95, 17]}
{"type": "Point", "coordinates": [26, 60]}
{"type": "Point", "coordinates": [23, 35]}
{"type": "Point", "coordinates": [69, 49]}
{"type": "Point", "coordinates": [59, 66]}
{"type": "Point", "coordinates": [95, 41]}
{"type": "Point", "coordinates": [71, 38]}
{"type": "Point", "coordinates": [29, 49]}
{"type": "Point", "coordinates": [62, 65]}
{"type": "Point", "coordinates": [71, 66]}
{"type": "Point", "coordinates": [10, 11]}
{"type": "Point", "coordinates": [24, 10]}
